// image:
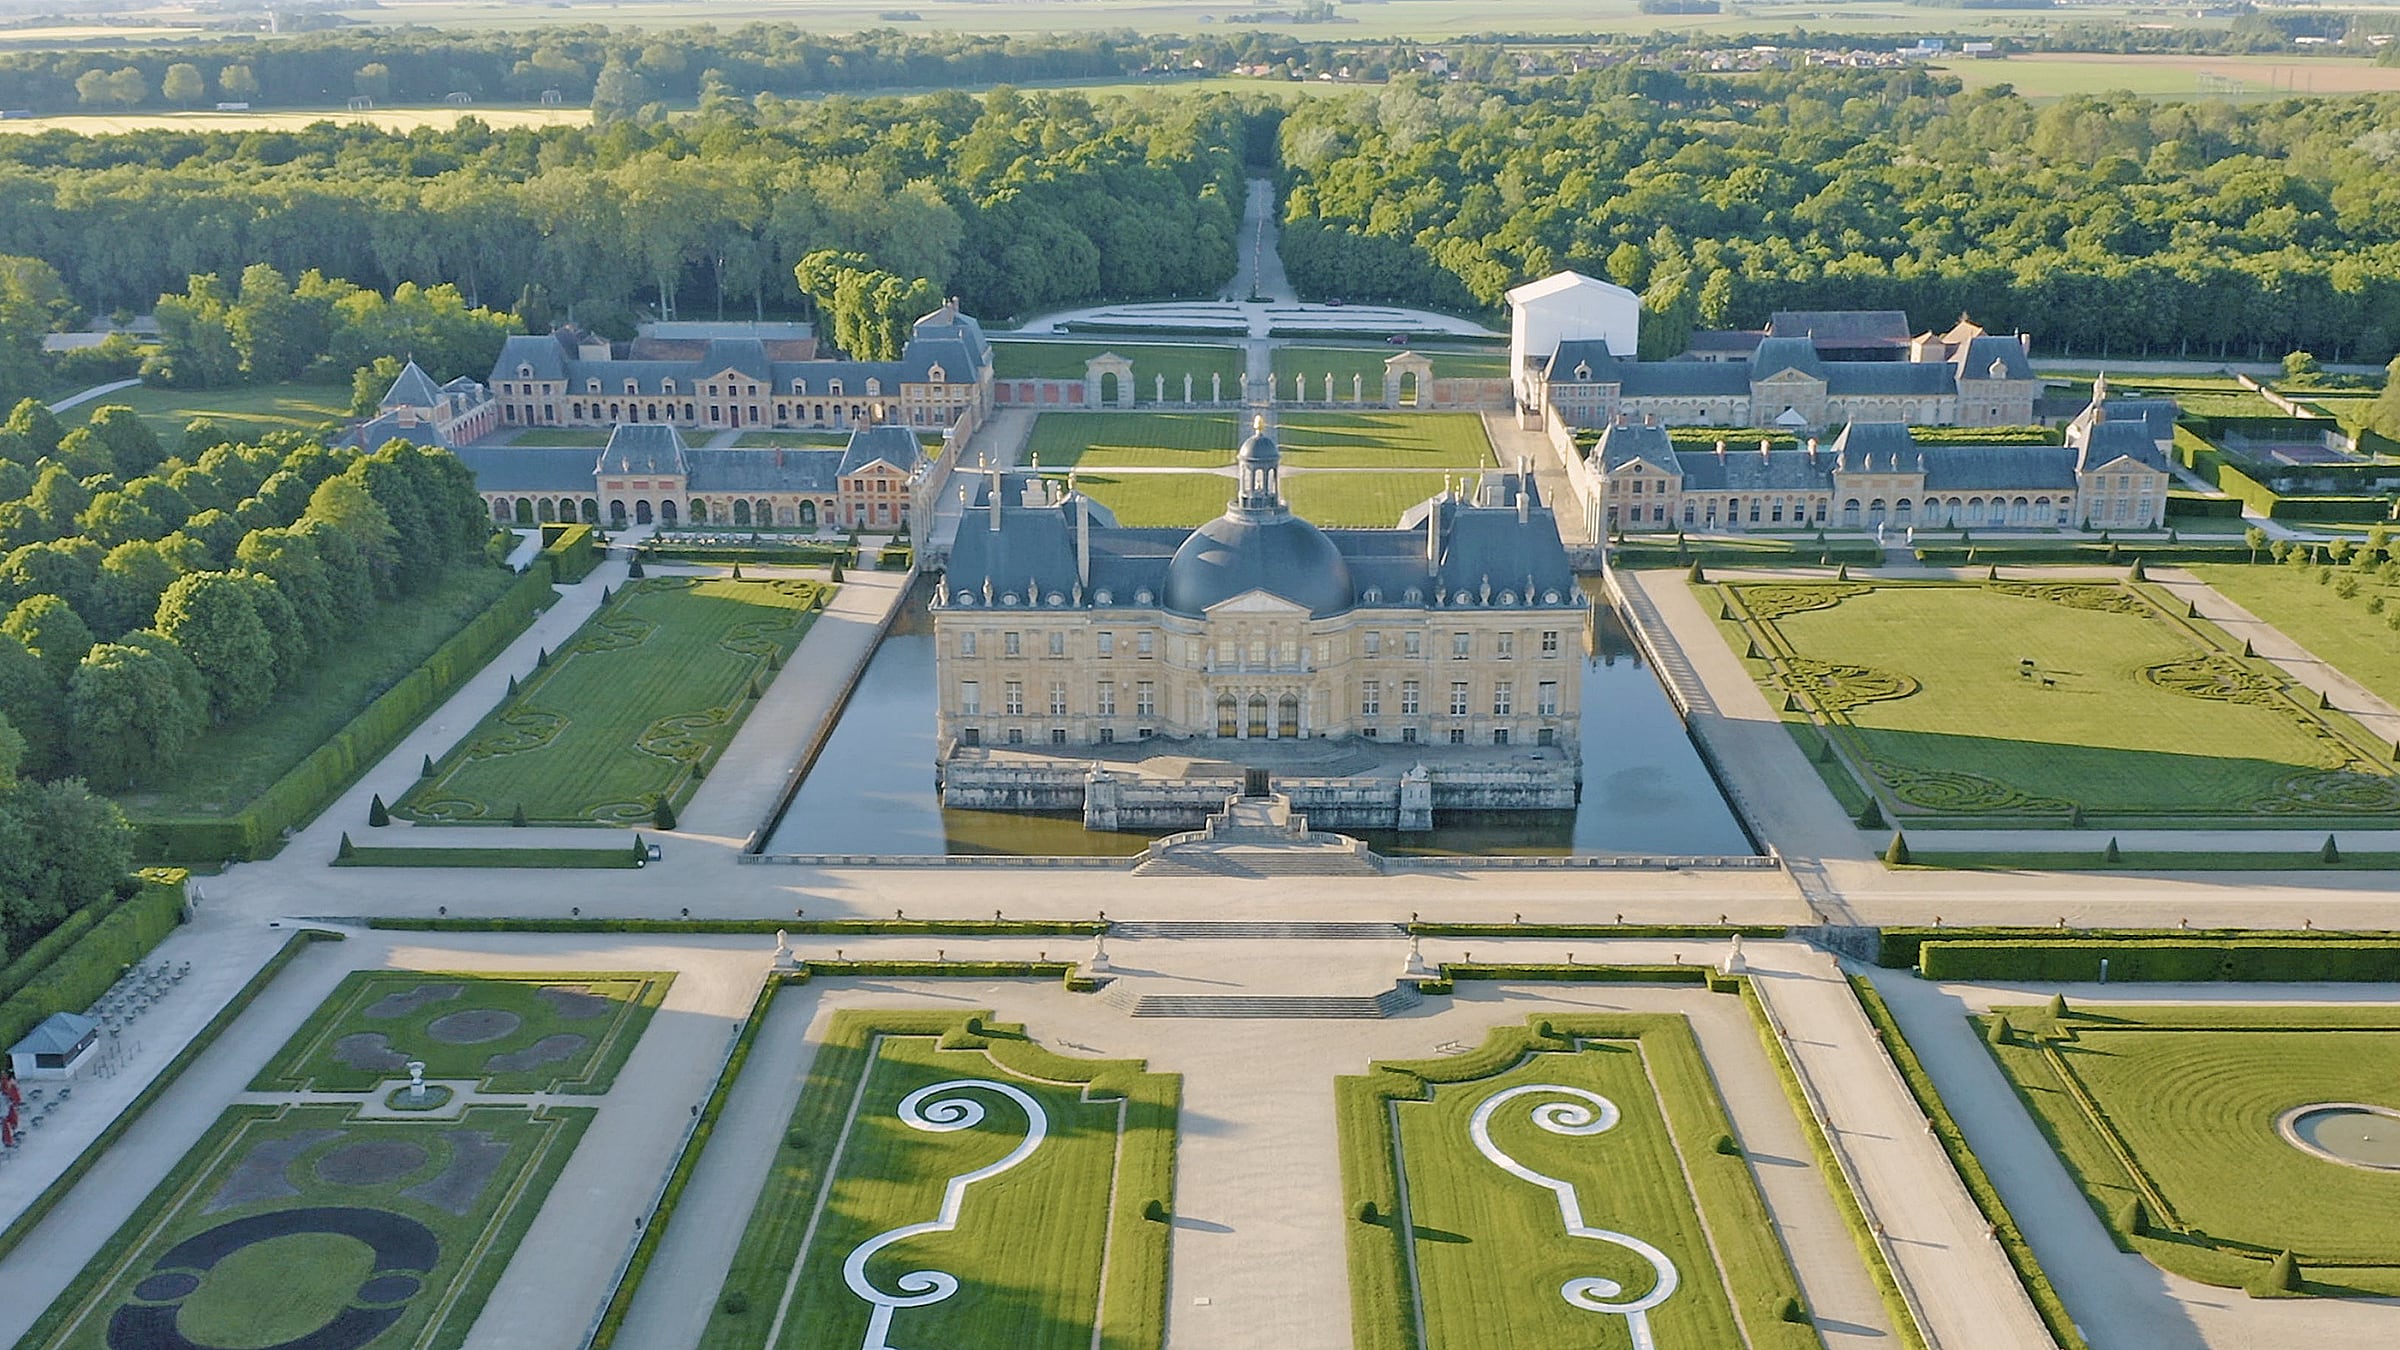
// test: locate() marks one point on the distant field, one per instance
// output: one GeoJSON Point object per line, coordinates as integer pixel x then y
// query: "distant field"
{"type": "Point", "coordinates": [2178, 77]}
{"type": "Point", "coordinates": [247, 412]}
{"type": "Point", "coordinates": [285, 119]}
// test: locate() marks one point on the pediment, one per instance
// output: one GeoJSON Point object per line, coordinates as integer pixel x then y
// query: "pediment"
{"type": "Point", "coordinates": [1791, 375]}
{"type": "Point", "coordinates": [1257, 602]}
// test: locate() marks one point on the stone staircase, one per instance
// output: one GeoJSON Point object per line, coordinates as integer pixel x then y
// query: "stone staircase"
{"type": "Point", "coordinates": [1257, 837]}
{"type": "Point", "coordinates": [1337, 1007]}
{"type": "Point", "coordinates": [1239, 931]}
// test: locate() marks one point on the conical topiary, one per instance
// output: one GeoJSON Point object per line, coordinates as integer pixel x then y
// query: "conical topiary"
{"type": "Point", "coordinates": [425, 770]}
{"type": "Point", "coordinates": [2135, 572]}
{"type": "Point", "coordinates": [377, 813]}
{"type": "Point", "coordinates": [774, 658]}
{"type": "Point", "coordinates": [512, 684]}
{"type": "Point", "coordinates": [662, 813]}
{"type": "Point", "coordinates": [1872, 817]}
{"type": "Point", "coordinates": [2133, 1217]}
{"type": "Point", "coordinates": [518, 819]}
{"type": "Point", "coordinates": [1696, 574]}
{"type": "Point", "coordinates": [1896, 855]}
{"type": "Point", "coordinates": [835, 573]}
{"type": "Point", "coordinates": [634, 569]}
{"type": "Point", "coordinates": [2331, 852]}
{"type": "Point", "coordinates": [641, 851]}
{"type": "Point", "coordinates": [737, 571]}
{"type": "Point", "coordinates": [347, 847]}
{"type": "Point", "coordinates": [2112, 853]}
{"type": "Point", "coordinates": [1842, 573]}
{"type": "Point", "coordinates": [1999, 1032]}
{"type": "Point", "coordinates": [2282, 1276]}
{"type": "Point", "coordinates": [2058, 1006]}
{"type": "Point", "coordinates": [1992, 572]}
{"type": "Point", "coordinates": [541, 659]}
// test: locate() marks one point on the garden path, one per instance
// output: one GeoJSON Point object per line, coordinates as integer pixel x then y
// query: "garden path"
{"type": "Point", "coordinates": [2303, 665]}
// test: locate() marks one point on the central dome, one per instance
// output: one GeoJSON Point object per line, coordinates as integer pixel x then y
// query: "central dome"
{"type": "Point", "coordinates": [1258, 545]}
{"type": "Point", "coordinates": [1283, 555]}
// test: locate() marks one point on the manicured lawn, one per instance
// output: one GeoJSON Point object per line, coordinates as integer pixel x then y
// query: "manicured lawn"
{"type": "Point", "coordinates": [653, 687]}
{"type": "Point", "coordinates": [1358, 500]}
{"type": "Point", "coordinates": [368, 856]}
{"type": "Point", "coordinates": [244, 413]}
{"type": "Point", "coordinates": [1065, 361]}
{"type": "Point", "coordinates": [515, 1033]}
{"type": "Point", "coordinates": [295, 1214]}
{"type": "Point", "coordinates": [225, 767]}
{"type": "Point", "coordinates": [2130, 712]}
{"type": "Point", "coordinates": [2178, 1107]}
{"type": "Point", "coordinates": [793, 440]}
{"type": "Point", "coordinates": [1031, 1246]}
{"type": "Point", "coordinates": [1309, 440]}
{"type": "Point", "coordinates": [1460, 1253]}
{"type": "Point", "coordinates": [1159, 499]}
{"type": "Point", "coordinates": [1367, 364]}
{"type": "Point", "coordinates": [2340, 632]}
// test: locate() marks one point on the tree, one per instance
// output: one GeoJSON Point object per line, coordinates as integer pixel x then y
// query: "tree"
{"type": "Point", "coordinates": [2300, 365]}
{"type": "Point", "coordinates": [2384, 414]}
{"type": "Point", "coordinates": [52, 630]}
{"type": "Point", "coordinates": [29, 700]}
{"type": "Point", "coordinates": [214, 619]}
{"type": "Point", "coordinates": [619, 92]}
{"type": "Point", "coordinates": [184, 85]}
{"type": "Point", "coordinates": [36, 426]}
{"type": "Point", "coordinates": [237, 83]}
{"type": "Point", "coordinates": [129, 713]}
{"type": "Point", "coordinates": [373, 80]}
{"type": "Point", "coordinates": [132, 446]}
{"type": "Point", "coordinates": [61, 848]}
{"type": "Point", "coordinates": [871, 310]}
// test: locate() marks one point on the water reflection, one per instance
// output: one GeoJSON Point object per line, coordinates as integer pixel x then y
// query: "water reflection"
{"type": "Point", "coordinates": [1645, 789]}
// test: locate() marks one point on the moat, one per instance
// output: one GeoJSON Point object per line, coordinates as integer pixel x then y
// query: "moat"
{"type": "Point", "coordinates": [871, 790]}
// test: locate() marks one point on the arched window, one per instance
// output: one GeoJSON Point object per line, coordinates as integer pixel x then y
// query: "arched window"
{"type": "Point", "coordinates": [500, 510]}
{"type": "Point", "coordinates": [641, 512]}
{"type": "Point", "coordinates": [1257, 729]}
{"type": "Point", "coordinates": [524, 510]}
{"type": "Point", "coordinates": [1287, 716]}
{"type": "Point", "coordinates": [666, 512]}
{"type": "Point", "coordinates": [741, 511]}
{"type": "Point", "coordinates": [699, 511]}
{"type": "Point", "coordinates": [808, 515]}
{"type": "Point", "coordinates": [616, 513]}
{"type": "Point", "coordinates": [1850, 512]}
{"type": "Point", "coordinates": [1226, 726]}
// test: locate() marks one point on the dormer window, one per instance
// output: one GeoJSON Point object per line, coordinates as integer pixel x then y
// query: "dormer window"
{"type": "Point", "coordinates": [591, 386]}
{"type": "Point", "coordinates": [524, 372]}
{"type": "Point", "coordinates": [833, 387]}
{"type": "Point", "coordinates": [935, 374]}
{"type": "Point", "coordinates": [666, 386]}
{"type": "Point", "coordinates": [874, 386]}
{"type": "Point", "coordinates": [632, 388]}
{"type": "Point", "coordinates": [799, 386]}
{"type": "Point", "coordinates": [1583, 372]}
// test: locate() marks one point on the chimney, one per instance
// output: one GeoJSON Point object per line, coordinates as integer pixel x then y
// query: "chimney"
{"type": "Point", "coordinates": [1433, 536]}
{"type": "Point", "coordinates": [996, 490]}
{"type": "Point", "coordinates": [1083, 539]}
{"type": "Point", "coordinates": [1524, 503]}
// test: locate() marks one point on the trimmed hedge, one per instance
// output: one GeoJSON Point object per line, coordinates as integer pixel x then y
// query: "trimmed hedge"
{"type": "Point", "coordinates": [859, 927]}
{"type": "Point", "coordinates": [1699, 932]}
{"type": "Point", "coordinates": [1899, 948]}
{"type": "Point", "coordinates": [895, 558]}
{"type": "Point", "coordinates": [794, 555]}
{"type": "Point", "coordinates": [1454, 971]}
{"type": "Point", "coordinates": [46, 948]}
{"type": "Point", "coordinates": [1767, 552]}
{"type": "Point", "coordinates": [295, 799]}
{"type": "Point", "coordinates": [570, 552]}
{"type": "Point", "coordinates": [82, 970]}
{"type": "Point", "coordinates": [2092, 553]}
{"type": "Point", "coordinates": [85, 1161]}
{"type": "Point", "coordinates": [2182, 504]}
{"type": "Point", "coordinates": [2175, 960]}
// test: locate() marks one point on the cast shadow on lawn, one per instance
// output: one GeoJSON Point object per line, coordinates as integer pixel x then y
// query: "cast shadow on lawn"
{"type": "Point", "coordinates": [1946, 774]}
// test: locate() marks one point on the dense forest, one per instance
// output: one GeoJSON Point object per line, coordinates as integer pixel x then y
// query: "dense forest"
{"type": "Point", "coordinates": [1016, 203]}
{"type": "Point", "coordinates": [2100, 225]}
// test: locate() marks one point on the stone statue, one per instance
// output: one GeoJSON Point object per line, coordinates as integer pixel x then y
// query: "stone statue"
{"type": "Point", "coordinates": [1099, 960]}
{"type": "Point", "coordinates": [1216, 386]}
{"type": "Point", "coordinates": [1416, 959]}
{"type": "Point", "coordinates": [416, 1080]}
{"type": "Point", "coordinates": [1187, 386]}
{"type": "Point", "coordinates": [783, 948]}
{"type": "Point", "coordinates": [1159, 382]}
{"type": "Point", "coordinates": [1358, 387]}
{"type": "Point", "coordinates": [1735, 963]}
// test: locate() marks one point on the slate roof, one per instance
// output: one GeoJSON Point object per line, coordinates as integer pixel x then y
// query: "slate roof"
{"type": "Point", "coordinates": [1903, 378]}
{"type": "Point", "coordinates": [1683, 379]}
{"type": "Point", "coordinates": [1876, 447]}
{"type": "Point", "coordinates": [1879, 447]}
{"type": "Point", "coordinates": [1622, 445]}
{"type": "Point", "coordinates": [946, 337]}
{"type": "Point", "coordinates": [513, 468]}
{"type": "Point", "coordinates": [414, 389]}
{"type": "Point", "coordinates": [1590, 354]}
{"type": "Point", "coordinates": [1842, 327]}
{"type": "Point", "coordinates": [2109, 441]}
{"type": "Point", "coordinates": [397, 426]}
{"type": "Point", "coordinates": [1776, 354]}
{"type": "Point", "coordinates": [1750, 471]}
{"type": "Point", "coordinates": [643, 447]}
{"type": "Point", "coordinates": [1743, 340]}
{"type": "Point", "coordinates": [763, 470]}
{"type": "Point", "coordinates": [894, 445]}
{"type": "Point", "coordinates": [57, 1034]}
{"type": "Point", "coordinates": [1976, 359]}
{"type": "Point", "coordinates": [1999, 468]}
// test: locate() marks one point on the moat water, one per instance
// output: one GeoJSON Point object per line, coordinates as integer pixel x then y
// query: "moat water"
{"type": "Point", "coordinates": [1645, 788]}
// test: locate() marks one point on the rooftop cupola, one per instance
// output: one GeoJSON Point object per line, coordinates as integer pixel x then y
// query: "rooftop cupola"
{"type": "Point", "coordinates": [1260, 470]}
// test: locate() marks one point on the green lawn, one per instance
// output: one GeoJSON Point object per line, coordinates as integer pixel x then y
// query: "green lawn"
{"type": "Point", "coordinates": [649, 691]}
{"type": "Point", "coordinates": [2340, 632]}
{"type": "Point", "coordinates": [793, 440]}
{"type": "Point", "coordinates": [222, 770]}
{"type": "Point", "coordinates": [1159, 499]}
{"type": "Point", "coordinates": [1367, 364]}
{"type": "Point", "coordinates": [443, 1203]}
{"type": "Point", "coordinates": [1032, 1246]}
{"type": "Point", "coordinates": [1358, 500]}
{"type": "Point", "coordinates": [1463, 1255]}
{"type": "Point", "coordinates": [2178, 1107]}
{"type": "Point", "coordinates": [244, 413]}
{"type": "Point", "coordinates": [1309, 440]}
{"type": "Point", "coordinates": [2131, 713]}
{"type": "Point", "coordinates": [572, 438]}
{"type": "Point", "coordinates": [515, 1033]}
{"type": "Point", "coordinates": [1065, 361]}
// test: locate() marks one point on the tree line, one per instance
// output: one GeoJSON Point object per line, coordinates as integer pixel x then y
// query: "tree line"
{"type": "Point", "coordinates": [148, 597]}
{"type": "Point", "coordinates": [2102, 225]}
{"type": "Point", "coordinates": [1015, 202]}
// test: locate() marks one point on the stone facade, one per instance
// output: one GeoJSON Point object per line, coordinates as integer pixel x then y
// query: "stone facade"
{"type": "Point", "coordinates": [1785, 384]}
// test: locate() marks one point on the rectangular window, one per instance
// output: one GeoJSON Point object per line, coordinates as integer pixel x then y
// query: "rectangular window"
{"type": "Point", "coordinates": [1058, 698]}
{"type": "Point", "coordinates": [1011, 644]}
{"type": "Point", "coordinates": [1504, 698]}
{"type": "Point", "coordinates": [1058, 735]}
{"type": "Point", "coordinates": [1546, 698]}
{"type": "Point", "coordinates": [1458, 698]}
{"type": "Point", "coordinates": [1105, 700]}
{"type": "Point", "coordinates": [1108, 735]}
{"type": "Point", "coordinates": [1499, 735]}
{"type": "Point", "coordinates": [1370, 699]}
{"type": "Point", "coordinates": [970, 735]}
{"type": "Point", "coordinates": [1107, 643]}
{"type": "Point", "coordinates": [1549, 642]}
{"type": "Point", "coordinates": [1144, 644]}
{"type": "Point", "coordinates": [1372, 644]}
{"type": "Point", "coordinates": [1408, 698]}
{"type": "Point", "coordinates": [1408, 735]}
{"type": "Point", "coordinates": [1016, 735]}
{"type": "Point", "coordinates": [1145, 699]}
{"type": "Point", "coordinates": [1505, 646]}
{"type": "Point", "coordinates": [966, 643]}
{"type": "Point", "coordinates": [1408, 644]}
{"type": "Point", "coordinates": [1016, 698]}
{"type": "Point", "coordinates": [1458, 735]}
{"type": "Point", "coordinates": [1462, 646]}
{"type": "Point", "coordinates": [970, 697]}
{"type": "Point", "coordinates": [1258, 651]}
{"type": "Point", "coordinates": [1058, 644]}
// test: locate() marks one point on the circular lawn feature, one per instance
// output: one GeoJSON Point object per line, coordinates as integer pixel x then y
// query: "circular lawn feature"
{"type": "Point", "coordinates": [2353, 1134]}
{"type": "Point", "coordinates": [294, 1279]}
{"type": "Point", "coordinates": [371, 1162]}
{"type": "Point", "coordinates": [403, 1098]}
{"type": "Point", "coordinates": [475, 1026]}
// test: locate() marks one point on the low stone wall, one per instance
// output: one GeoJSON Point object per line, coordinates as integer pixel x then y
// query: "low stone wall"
{"type": "Point", "coordinates": [1130, 802]}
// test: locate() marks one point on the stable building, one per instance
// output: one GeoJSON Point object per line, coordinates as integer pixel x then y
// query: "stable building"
{"type": "Point", "coordinates": [1376, 676]}
{"type": "Point", "coordinates": [881, 480]}
{"type": "Point", "coordinates": [1786, 384]}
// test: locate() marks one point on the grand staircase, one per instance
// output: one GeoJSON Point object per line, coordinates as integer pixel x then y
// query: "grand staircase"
{"type": "Point", "coordinates": [1398, 999]}
{"type": "Point", "coordinates": [1258, 837]}
{"type": "Point", "coordinates": [1246, 931]}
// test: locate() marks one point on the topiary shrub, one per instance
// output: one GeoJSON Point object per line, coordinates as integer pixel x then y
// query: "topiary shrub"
{"type": "Point", "coordinates": [425, 770]}
{"type": "Point", "coordinates": [1999, 1032]}
{"type": "Point", "coordinates": [2282, 1276]}
{"type": "Point", "coordinates": [2331, 852]}
{"type": "Point", "coordinates": [2058, 1006]}
{"type": "Point", "coordinates": [973, 1026]}
{"type": "Point", "coordinates": [641, 851]}
{"type": "Point", "coordinates": [1366, 1211]}
{"type": "Point", "coordinates": [2133, 1217]}
{"type": "Point", "coordinates": [1724, 1144]}
{"type": "Point", "coordinates": [1897, 854]}
{"type": "Point", "coordinates": [377, 813]}
{"type": "Point", "coordinates": [1792, 1311]}
{"type": "Point", "coordinates": [634, 569]}
{"type": "Point", "coordinates": [518, 817]}
{"type": "Point", "coordinates": [347, 848]}
{"type": "Point", "coordinates": [795, 1139]}
{"type": "Point", "coordinates": [735, 1303]}
{"type": "Point", "coordinates": [541, 659]}
{"type": "Point", "coordinates": [662, 813]}
{"type": "Point", "coordinates": [836, 573]}
{"type": "Point", "coordinates": [1872, 817]}
{"type": "Point", "coordinates": [1696, 575]}
{"type": "Point", "coordinates": [1154, 1211]}
{"type": "Point", "coordinates": [2112, 853]}
{"type": "Point", "coordinates": [512, 686]}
